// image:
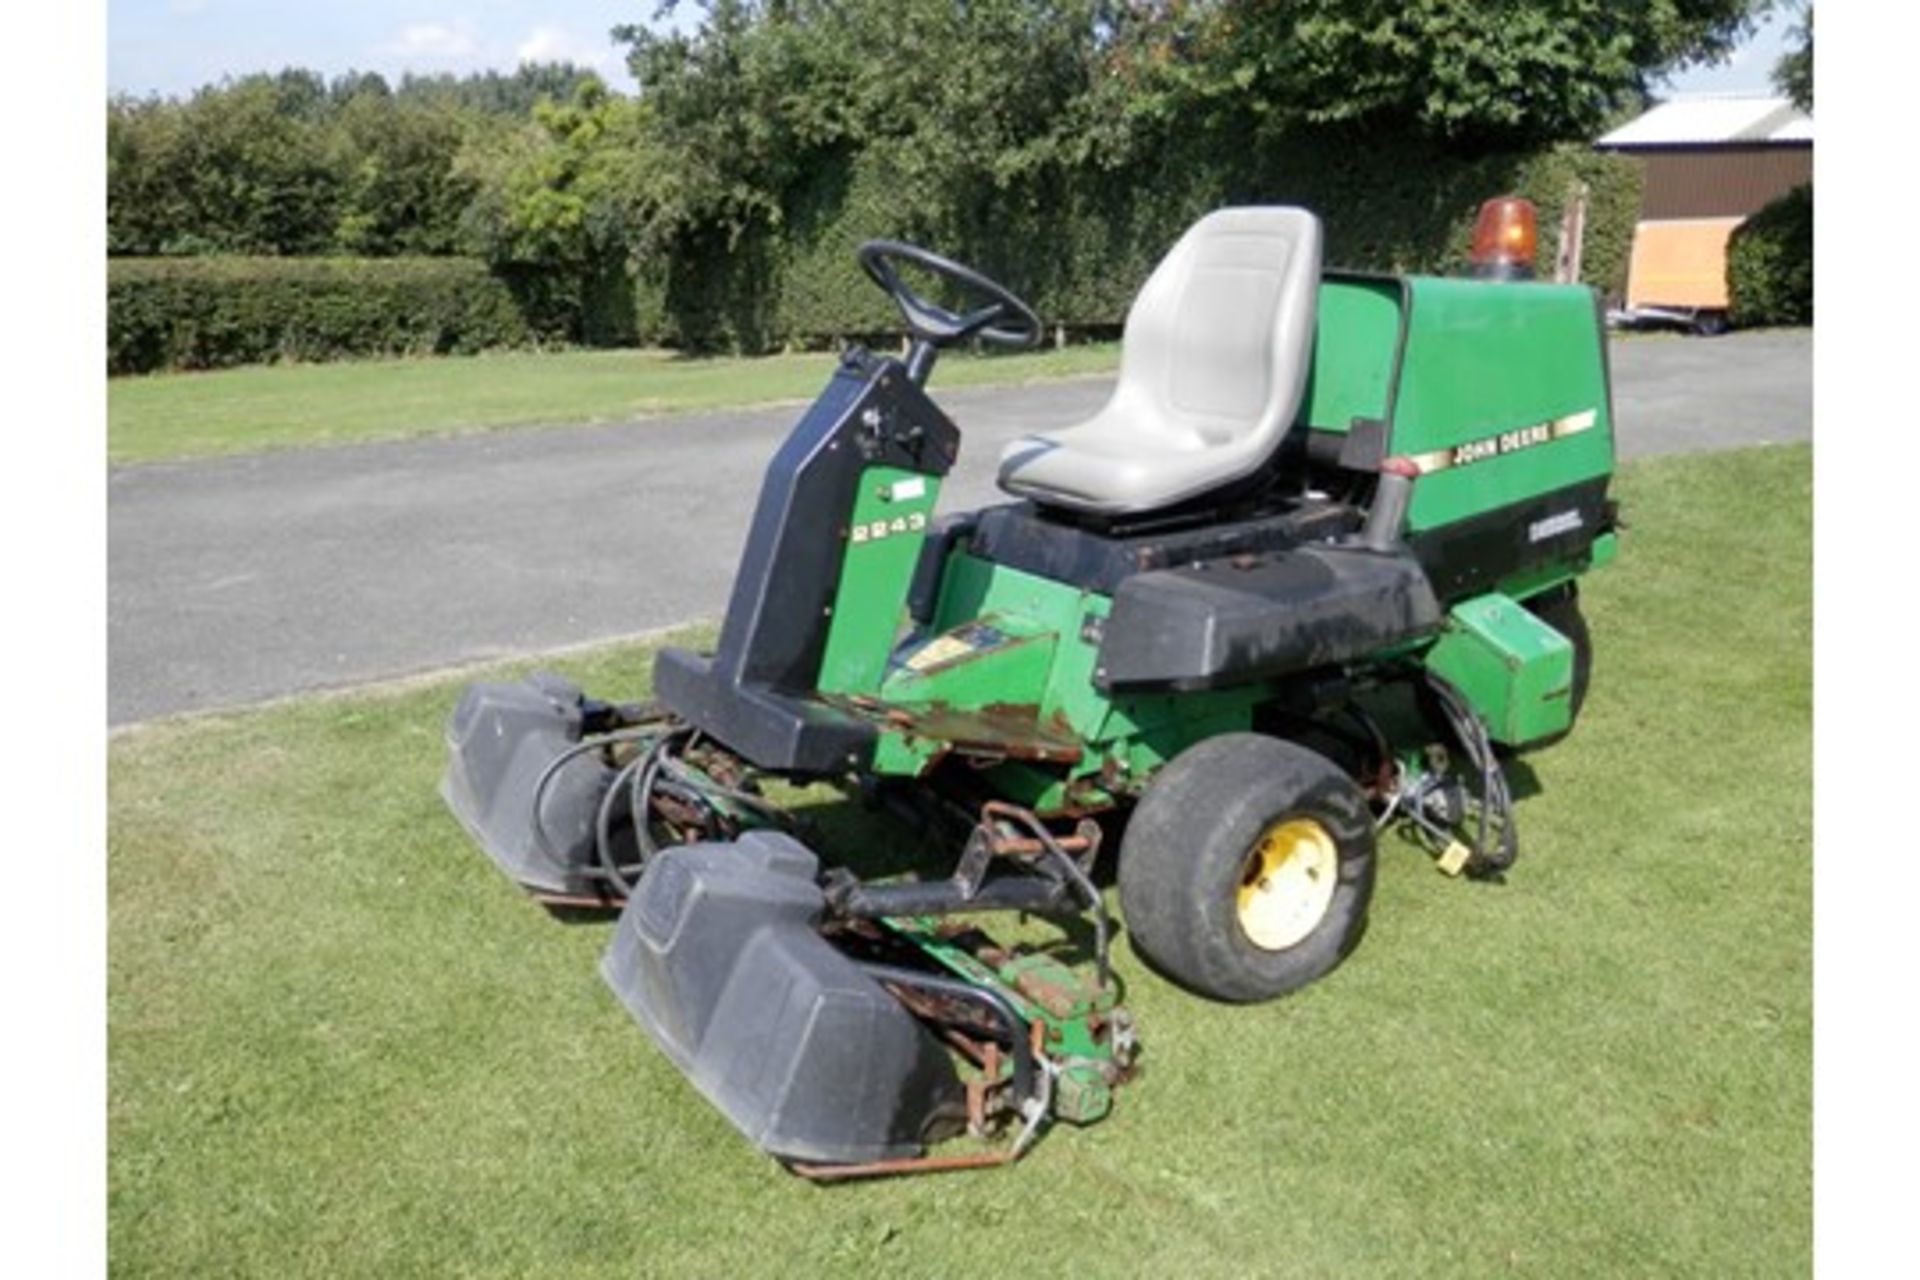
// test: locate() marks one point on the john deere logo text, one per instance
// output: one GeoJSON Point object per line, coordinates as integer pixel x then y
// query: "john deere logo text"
{"type": "Point", "coordinates": [1506, 442]}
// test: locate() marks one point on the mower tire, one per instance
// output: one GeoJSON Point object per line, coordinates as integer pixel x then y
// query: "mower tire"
{"type": "Point", "coordinates": [1246, 868]}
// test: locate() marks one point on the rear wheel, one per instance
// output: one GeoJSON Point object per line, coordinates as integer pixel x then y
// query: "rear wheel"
{"type": "Point", "coordinates": [1710, 324]}
{"type": "Point", "coordinates": [1246, 869]}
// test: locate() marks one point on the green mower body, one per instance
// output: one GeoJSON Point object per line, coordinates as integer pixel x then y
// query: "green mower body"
{"type": "Point", "coordinates": [1070, 661]}
{"type": "Point", "coordinates": [1261, 672]}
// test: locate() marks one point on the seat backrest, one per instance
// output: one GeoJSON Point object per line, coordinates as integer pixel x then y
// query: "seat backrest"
{"type": "Point", "coordinates": [1220, 338]}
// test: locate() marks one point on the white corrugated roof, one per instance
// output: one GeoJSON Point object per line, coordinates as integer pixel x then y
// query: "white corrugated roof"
{"type": "Point", "coordinates": [1704, 121]}
{"type": "Point", "coordinates": [1799, 129]}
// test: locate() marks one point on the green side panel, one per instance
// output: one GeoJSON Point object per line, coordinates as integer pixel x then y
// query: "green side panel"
{"type": "Point", "coordinates": [1502, 397]}
{"type": "Point", "coordinates": [1024, 646]}
{"type": "Point", "coordinates": [994, 643]}
{"type": "Point", "coordinates": [986, 674]}
{"type": "Point", "coordinates": [1515, 669]}
{"type": "Point", "coordinates": [1028, 604]}
{"type": "Point", "coordinates": [1356, 340]}
{"type": "Point", "coordinates": [972, 587]}
{"type": "Point", "coordinates": [884, 536]}
{"type": "Point", "coordinates": [995, 658]}
{"type": "Point", "coordinates": [975, 588]}
{"type": "Point", "coordinates": [1071, 694]}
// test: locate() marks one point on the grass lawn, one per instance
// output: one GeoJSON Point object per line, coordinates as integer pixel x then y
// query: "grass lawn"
{"type": "Point", "coordinates": [342, 1045]}
{"type": "Point", "coordinates": [184, 415]}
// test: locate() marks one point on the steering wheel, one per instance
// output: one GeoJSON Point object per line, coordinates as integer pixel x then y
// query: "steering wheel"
{"type": "Point", "coordinates": [1004, 320]}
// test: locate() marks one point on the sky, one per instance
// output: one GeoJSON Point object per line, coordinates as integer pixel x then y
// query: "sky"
{"type": "Point", "coordinates": [174, 46]}
{"type": "Point", "coordinates": [1750, 68]}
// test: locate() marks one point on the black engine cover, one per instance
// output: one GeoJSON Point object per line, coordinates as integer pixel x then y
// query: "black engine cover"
{"type": "Point", "coordinates": [1257, 617]}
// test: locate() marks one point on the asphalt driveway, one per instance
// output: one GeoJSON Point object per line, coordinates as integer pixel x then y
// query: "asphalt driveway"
{"type": "Point", "coordinates": [233, 580]}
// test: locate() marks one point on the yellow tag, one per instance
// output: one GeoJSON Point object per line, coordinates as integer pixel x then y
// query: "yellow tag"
{"type": "Point", "coordinates": [1453, 859]}
{"type": "Point", "coordinates": [935, 652]}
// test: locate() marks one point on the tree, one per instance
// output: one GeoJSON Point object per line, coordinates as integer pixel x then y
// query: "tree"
{"type": "Point", "coordinates": [241, 167]}
{"type": "Point", "coordinates": [290, 163]}
{"type": "Point", "coordinates": [357, 84]}
{"type": "Point", "coordinates": [984, 95]}
{"type": "Point", "coordinates": [497, 93]}
{"type": "Point", "coordinates": [401, 191]}
{"type": "Point", "coordinates": [1473, 72]}
{"type": "Point", "coordinates": [577, 188]}
{"type": "Point", "coordinates": [1793, 75]}
{"type": "Point", "coordinates": [146, 204]}
{"type": "Point", "coordinates": [568, 207]}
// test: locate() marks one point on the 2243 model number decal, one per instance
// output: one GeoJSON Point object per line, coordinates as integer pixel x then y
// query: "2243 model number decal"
{"type": "Point", "coordinates": [875, 530]}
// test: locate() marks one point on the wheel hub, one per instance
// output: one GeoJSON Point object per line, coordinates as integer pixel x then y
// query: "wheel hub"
{"type": "Point", "coordinates": [1287, 883]}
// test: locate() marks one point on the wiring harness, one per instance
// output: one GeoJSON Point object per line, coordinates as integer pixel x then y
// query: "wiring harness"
{"type": "Point", "coordinates": [658, 795]}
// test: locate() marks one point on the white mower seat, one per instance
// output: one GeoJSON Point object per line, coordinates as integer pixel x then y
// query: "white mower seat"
{"type": "Point", "coordinates": [1213, 363]}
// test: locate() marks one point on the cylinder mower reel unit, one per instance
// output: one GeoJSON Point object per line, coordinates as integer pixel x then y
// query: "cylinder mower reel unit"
{"type": "Point", "coordinates": [1311, 571]}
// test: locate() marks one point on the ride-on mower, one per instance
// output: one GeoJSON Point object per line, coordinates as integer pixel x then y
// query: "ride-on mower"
{"type": "Point", "coordinates": [1311, 571]}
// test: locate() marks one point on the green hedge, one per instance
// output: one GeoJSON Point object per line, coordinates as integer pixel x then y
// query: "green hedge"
{"type": "Point", "coordinates": [204, 313]}
{"type": "Point", "coordinates": [1078, 245]}
{"type": "Point", "coordinates": [1770, 263]}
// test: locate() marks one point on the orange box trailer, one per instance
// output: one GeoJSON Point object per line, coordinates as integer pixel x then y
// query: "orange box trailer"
{"type": "Point", "coordinates": [1680, 264]}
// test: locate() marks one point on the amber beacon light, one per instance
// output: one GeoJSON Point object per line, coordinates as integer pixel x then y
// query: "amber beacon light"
{"type": "Point", "coordinates": [1505, 236]}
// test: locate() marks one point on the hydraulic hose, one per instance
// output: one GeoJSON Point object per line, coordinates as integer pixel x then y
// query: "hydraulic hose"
{"type": "Point", "coordinates": [552, 771]}
{"type": "Point", "coordinates": [655, 770]}
{"type": "Point", "coordinates": [1495, 798]}
{"type": "Point", "coordinates": [1089, 892]}
{"type": "Point", "coordinates": [993, 1001]}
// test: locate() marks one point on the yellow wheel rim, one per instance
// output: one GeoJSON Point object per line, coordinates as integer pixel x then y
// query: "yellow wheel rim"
{"type": "Point", "coordinates": [1287, 884]}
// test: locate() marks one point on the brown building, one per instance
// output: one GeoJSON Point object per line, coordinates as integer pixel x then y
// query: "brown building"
{"type": "Point", "coordinates": [1709, 164]}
